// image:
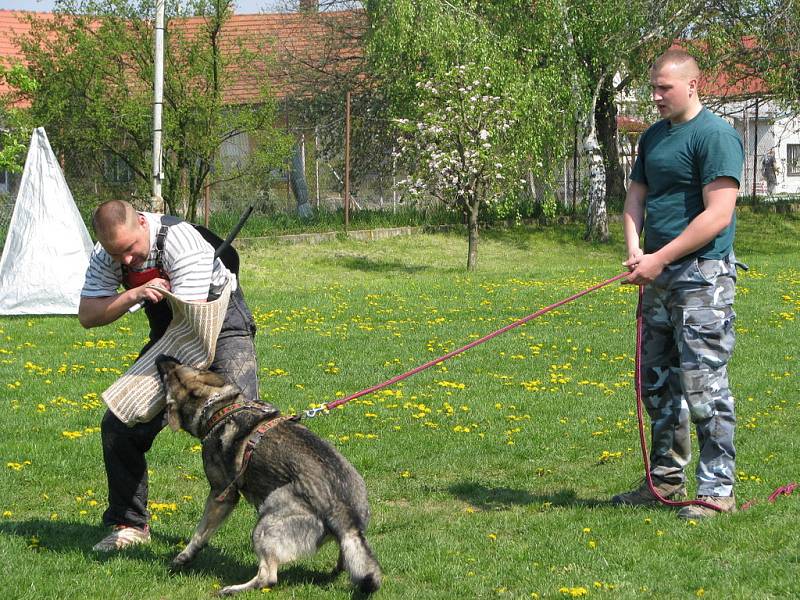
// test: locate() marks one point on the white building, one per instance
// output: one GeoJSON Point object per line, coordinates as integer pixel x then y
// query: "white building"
{"type": "Point", "coordinates": [764, 126]}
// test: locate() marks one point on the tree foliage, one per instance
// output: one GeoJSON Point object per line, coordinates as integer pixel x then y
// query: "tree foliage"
{"type": "Point", "coordinates": [453, 152]}
{"type": "Point", "coordinates": [411, 42]}
{"type": "Point", "coordinates": [614, 39]}
{"type": "Point", "coordinates": [94, 65]}
{"type": "Point", "coordinates": [755, 40]}
{"type": "Point", "coordinates": [15, 126]}
{"type": "Point", "coordinates": [321, 74]}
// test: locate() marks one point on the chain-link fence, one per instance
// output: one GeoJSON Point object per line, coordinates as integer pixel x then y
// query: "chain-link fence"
{"type": "Point", "coordinates": [319, 181]}
{"type": "Point", "coordinates": [6, 208]}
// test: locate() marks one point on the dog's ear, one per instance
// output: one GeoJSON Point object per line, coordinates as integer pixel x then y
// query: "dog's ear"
{"type": "Point", "coordinates": [173, 418]}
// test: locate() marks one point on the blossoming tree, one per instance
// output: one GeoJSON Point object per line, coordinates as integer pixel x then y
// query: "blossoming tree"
{"type": "Point", "coordinates": [460, 149]}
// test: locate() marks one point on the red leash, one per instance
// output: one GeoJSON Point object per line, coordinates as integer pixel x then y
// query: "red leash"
{"type": "Point", "coordinates": [315, 411]}
{"type": "Point", "coordinates": [783, 490]}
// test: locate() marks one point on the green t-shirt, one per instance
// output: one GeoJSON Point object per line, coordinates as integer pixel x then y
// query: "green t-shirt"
{"type": "Point", "coordinates": [675, 162]}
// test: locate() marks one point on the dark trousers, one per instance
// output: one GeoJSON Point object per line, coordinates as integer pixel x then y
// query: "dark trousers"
{"type": "Point", "coordinates": [124, 447]}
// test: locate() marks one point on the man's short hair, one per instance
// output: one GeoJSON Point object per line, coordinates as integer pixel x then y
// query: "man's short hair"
{"type": "Point", "coordinates": [680, 58]}
{"type": "Point", "coordinates": [110, 215]}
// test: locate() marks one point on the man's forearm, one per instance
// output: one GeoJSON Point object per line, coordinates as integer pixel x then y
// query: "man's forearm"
{"type": "Point", "coordinates": [719, 197]}
{"type": "Point", "coordinates": [702, 230]}
{"type": "Point", "coordinates": [94, 312]}
{"type": "Point", "coordinates": [633, 215]}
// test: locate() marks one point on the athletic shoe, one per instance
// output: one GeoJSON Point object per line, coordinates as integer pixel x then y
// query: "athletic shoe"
{"type": "Point", "coordinates": [122, 537]}
{"type": "Point", "coordinates": [642, 496]}
{"type": "Point", "coordinates": [726, 504]}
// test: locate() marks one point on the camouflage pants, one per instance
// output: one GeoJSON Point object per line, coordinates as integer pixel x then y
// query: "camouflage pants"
{"type": "Point", "coordinates": [687, 340]}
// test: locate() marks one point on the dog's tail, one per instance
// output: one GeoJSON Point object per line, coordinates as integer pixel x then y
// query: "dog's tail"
{"type": "Point", "coordinates": [359, 561]}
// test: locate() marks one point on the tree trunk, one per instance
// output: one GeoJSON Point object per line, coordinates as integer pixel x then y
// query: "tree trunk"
{"type": "Point", "coordinates": [597, 215]}
{"type": "Point", "coordinates": [472, 253]}
{"type": "Point", "coordinates": [606, 119]}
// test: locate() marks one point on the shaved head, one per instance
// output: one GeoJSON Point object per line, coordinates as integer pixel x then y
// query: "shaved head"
{"type": "Point", "coordinates": [674, 79]}
{"type": "Point", "coordinates": [681, 62]}
{"type": "Point", "coordinates": [111, 215]}
{"type": "Point", "coordinates": [122, 232]}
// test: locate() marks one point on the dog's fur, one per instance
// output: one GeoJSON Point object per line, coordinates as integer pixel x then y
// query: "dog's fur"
{"type": "Point", "coordinates": [304, 490]}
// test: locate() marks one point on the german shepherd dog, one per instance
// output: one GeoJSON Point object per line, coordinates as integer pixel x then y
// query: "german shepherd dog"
{"type": "Point", "coordinates": [304, 490]}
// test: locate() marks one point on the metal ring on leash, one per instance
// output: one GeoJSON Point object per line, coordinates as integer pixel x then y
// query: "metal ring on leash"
{"type": "Point", "coordinates": [313, 412]}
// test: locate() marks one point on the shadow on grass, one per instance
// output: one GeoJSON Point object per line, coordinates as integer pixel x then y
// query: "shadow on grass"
{"type": "Point", "coordinates": [360, 262]}
{"type": "Point", "coordinates": [64, 537]}
{"type": "Point", "coordinates": [498, 498]}
{"type": "Point", "coordinates": [568, 235]}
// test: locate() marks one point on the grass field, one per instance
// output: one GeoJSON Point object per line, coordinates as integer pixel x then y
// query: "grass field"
{"type": "Point", "coordinates": [489, 475]}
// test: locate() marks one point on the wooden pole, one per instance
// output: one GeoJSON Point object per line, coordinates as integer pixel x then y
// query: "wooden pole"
{"type": "Point", "coordinates": [316, 162]}
{"type": "Point", "coordinates": [158, 101]}
{"type": "Point", "coordinates": [207, 202]}
{"type": "Point", "coordinates": [347, 163]}
{"type": "Point", "coordinates": [755, 151]}
{"type": "Point", "coordinates": [289, 160]}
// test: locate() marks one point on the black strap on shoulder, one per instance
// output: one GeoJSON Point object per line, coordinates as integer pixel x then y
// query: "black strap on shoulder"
{"type": "Point", "coordinates": [161, 238]}
{"type": "Point", "coordinates": [229, 256]}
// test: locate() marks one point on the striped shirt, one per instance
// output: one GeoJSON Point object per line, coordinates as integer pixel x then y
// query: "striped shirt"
{"type": "Point", "coordinates": [186, 261]}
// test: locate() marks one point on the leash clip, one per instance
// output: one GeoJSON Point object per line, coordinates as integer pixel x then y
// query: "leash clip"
{"type": "Point", "coordinates": [313, 412]}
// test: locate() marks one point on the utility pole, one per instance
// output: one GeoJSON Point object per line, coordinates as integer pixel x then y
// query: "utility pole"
{"type": "Point", "coordinates": [158, 103]}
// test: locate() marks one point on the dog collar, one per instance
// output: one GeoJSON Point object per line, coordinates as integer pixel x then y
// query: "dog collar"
{"type": "Point", "coordinates": [226, 412]}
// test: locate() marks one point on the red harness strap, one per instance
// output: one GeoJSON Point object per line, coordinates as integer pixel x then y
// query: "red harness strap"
{"type": "Point", "coordinates": [132, 279]}
{"type": "Point", "coordinates": [254, 440]}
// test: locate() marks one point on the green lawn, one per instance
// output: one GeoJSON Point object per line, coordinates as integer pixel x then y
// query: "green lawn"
{"type": "Point", "coordinates": [489, 475]}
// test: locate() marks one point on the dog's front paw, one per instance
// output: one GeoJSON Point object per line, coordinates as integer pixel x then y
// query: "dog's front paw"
{"type": "Point", "coordinates": [179, 562]}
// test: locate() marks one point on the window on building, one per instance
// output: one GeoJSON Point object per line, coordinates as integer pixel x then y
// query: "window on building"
{"type": "Point", "coordinates": [116, 170]}
{"type": "Point", "coordinates": [793, 159]}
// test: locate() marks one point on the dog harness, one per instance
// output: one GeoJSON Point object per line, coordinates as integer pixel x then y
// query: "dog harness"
{"type": "Point", "coordinates": [252, 441]}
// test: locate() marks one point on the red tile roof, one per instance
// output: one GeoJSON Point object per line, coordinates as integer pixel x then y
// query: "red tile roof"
{"type": "Point", "coordinates": [14, 23]}
{"type": "Point", "coordinates": [725, 84]}
{"type": "Point", "coordinates": [303, 37]}
{"type": "Point", "coordinates": [314, 39]}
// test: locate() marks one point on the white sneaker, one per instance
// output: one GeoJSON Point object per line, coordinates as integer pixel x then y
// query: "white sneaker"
{"type": "Point", "coordinates": [122, 537]}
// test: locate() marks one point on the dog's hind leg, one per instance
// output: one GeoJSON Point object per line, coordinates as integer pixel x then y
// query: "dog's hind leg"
{"type": "Point", "coordinates": [214, 515]}
{"type": "Point", "coordinates": [266, 577]}
{"type": "Point", "coordinates": [279, 540]}
{"type": "Point", "coordinates": [285, 531]}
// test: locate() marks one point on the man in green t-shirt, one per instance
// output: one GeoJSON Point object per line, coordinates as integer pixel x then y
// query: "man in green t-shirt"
{"type": "Point", "coordinates": [682, 194]}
